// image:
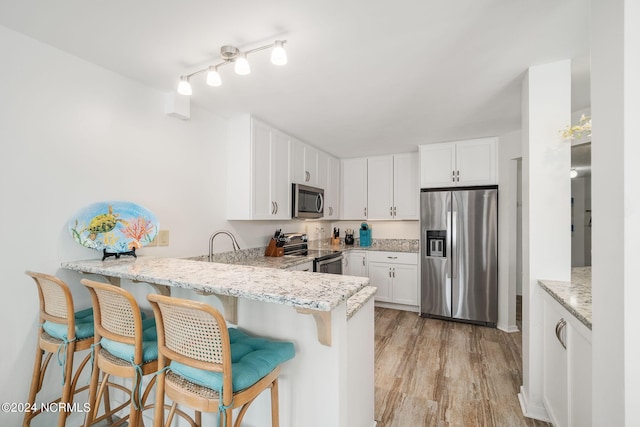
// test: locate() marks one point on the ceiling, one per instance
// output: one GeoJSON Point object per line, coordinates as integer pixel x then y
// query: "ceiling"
{"type": "Point", "coordinates": [364, 77]}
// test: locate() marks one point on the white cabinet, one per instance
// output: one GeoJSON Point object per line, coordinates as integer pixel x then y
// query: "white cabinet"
{"type": "Point", "coordinates": [258, 173]}
{"type": "Point", "coordinates": [304, 164]}
{"type": "Point", "coordinates": [355, 263]}
{"type": "Point", "coordinates": [354, 189]}
{"type": "Point", "coordinates": [460, 163]}
{"type": "Point", "coordinates": [380, 187]}
{"type": "Point", "coordinates": [395, 274]}
{"type": "Point", "coordinates": [566, 387]}
{"type": "Point", "coordinates": [332, 190]}
{"type": "Point", "coordinates": [392, 183]}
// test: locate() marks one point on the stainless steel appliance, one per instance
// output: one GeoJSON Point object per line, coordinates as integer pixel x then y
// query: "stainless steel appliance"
{"type": "Point", "coordinates": [327, 261]}
{"type": "Point", "coordinates": [459, 260]}
{"type": "Point", "coordinates": [307, 202]}
{"type": "Point", "coordinates": [324, 260]}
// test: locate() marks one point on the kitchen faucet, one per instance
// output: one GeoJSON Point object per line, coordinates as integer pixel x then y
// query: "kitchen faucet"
{"type": "Point", "coordinates": [234, 242]}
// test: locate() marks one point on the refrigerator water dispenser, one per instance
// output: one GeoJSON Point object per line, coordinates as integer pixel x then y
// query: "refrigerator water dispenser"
{"type": "Point", "coordinates": [436, 243]}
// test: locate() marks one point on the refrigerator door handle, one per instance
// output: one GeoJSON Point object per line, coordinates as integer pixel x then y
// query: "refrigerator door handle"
{"type": "Point", "coordinates": [453, 253]}
{"type": "Point", "coordinates": [447, 265]}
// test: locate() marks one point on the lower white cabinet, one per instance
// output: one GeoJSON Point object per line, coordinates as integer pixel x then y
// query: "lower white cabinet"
{"type": "Point", "coordinates": [566, 390]}
{"type": "Point", "coordinates": [395, 274]}
{"type": "Point", "coordinates": [355, 264]}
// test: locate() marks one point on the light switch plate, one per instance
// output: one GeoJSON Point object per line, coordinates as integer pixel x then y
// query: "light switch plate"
{"type": "Point", "coordinates": [152, 243]}
{"type": "Point", "coordinates": [163, 238]}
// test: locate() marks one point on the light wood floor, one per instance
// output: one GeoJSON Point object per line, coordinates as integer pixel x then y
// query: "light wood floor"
{"type": "Point", "coordinates": [445, 374]}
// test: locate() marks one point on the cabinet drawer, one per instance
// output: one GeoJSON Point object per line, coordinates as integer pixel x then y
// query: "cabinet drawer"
{"type": "Point", "coordinates": [393, 257]}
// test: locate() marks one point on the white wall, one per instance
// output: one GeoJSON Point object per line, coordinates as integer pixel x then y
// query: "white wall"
{"type": "Point", "coordinates": [546, 108]}
{"type": "Point", "coordinates": [509, 150]}
{"type": "Point", "coordinates": [615, 105]}
{"type": "Point", "coordinates": [72, 134]}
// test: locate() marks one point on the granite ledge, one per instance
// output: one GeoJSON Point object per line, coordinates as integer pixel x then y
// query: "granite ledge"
{"type": "Point", "coordinates": [574, 296]}
{"type": "Point", "coordinates": [355, 303]}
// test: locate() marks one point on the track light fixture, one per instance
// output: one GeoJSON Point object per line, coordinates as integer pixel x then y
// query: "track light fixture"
{"type": "Point", "coordinates": [231, 54]}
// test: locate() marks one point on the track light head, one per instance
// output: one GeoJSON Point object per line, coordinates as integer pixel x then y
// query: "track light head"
{"type": "Point", "coordinates": [184, 87]}
{"type": "Point", "coordinates": [213, 77]}
{"type": "Point", "coordinates": [278, 54]}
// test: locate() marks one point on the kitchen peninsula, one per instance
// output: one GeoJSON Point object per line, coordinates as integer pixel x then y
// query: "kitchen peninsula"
{"type": "Point", "coordinates": [316, 388]}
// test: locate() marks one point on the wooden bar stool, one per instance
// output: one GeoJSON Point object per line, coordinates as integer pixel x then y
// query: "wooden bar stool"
{"type": "Point", "coordinates": [124, 346]}
{"type": "Point", "coordinates": [207, 367]}
{"type": "Point", "coordinates": [63, 332]}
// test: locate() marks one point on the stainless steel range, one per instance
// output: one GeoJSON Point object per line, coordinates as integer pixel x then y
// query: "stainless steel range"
{"type": "Point", "coordinates": [324, 260]}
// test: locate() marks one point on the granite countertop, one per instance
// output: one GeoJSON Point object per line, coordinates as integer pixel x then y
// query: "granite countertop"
{"type": "Point", "coordinates": [387, 245]}
{"type": "Point", "coordinates": [298, 289]}
{"type": "Point", "coordinates": [254, 257]}
{"type": "Point", "coordinates": [356, 302]}
{"type": "Point", "coordinates": [575, 296]}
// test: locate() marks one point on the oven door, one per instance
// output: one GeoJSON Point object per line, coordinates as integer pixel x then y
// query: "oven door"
{"type": "Point", "coordinates": [331, 265]}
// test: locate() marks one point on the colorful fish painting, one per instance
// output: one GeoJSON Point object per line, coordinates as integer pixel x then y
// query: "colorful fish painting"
{"type": "Point", "coordinates": [115, 226]}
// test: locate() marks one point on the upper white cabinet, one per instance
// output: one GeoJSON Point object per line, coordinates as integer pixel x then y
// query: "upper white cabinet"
{"type": "Point", "coordinates": [332, 189]}
{"type": "Point", "coordinates": [393, 191]}
{"type": "Point", "coordinates": [461, 163]}
{"type": "Point", "coordinates": [258, 183]}
{"type": "Point", "coordinates": [304, 164]}
{"type": "Point", "coordinates": [354, 189]}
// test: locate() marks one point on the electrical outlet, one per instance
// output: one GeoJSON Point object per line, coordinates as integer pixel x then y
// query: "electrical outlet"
{"type": "Point", "coordinates": [163, 238]}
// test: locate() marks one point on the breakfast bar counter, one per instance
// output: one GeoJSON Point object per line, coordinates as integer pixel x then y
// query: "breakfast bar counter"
{"type": "Point", "coordinates": [322, 292]}
{"type": "Point", "coordinates": [328, 317]}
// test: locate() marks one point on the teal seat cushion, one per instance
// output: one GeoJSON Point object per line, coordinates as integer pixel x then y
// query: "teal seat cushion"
{"type": "Point", "coordinates": [252, 359]}
{"type": "Point", "coordinates": [126, 351]}
{"type": "Point", "coordinates": [84, 326]}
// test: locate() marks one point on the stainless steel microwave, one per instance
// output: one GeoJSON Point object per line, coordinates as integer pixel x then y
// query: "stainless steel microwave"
{"type": "Point", "coordinates": [307, 202]}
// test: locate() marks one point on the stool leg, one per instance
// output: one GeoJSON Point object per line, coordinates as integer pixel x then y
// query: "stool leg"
{"type": "Point", "coordinates": [136, 399]}
{"type": "Point", "coordinates": [107, 402]}
{"type": "Point", "coordinates": [35, 383]}
{"type": "Point", "coordinates": [93, 389]}
{"type": "Point", "coordinates": [275, 414]}
{"type": "Point", "coordinates": [67, 389]}
{"type": "Point", "coordinates": [158, 416]}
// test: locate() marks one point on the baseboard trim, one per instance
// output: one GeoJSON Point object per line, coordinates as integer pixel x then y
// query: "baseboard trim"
{"type": "Point", "coordinates": [508, 328]}
{"type": "Point", "coordinates": [532, 411]}
{"type": "Point", "coordinates": [412, 308]}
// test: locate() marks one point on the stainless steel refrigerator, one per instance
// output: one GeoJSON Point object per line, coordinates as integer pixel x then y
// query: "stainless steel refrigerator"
{"type": "Point", "coordinates": [459, 254]}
